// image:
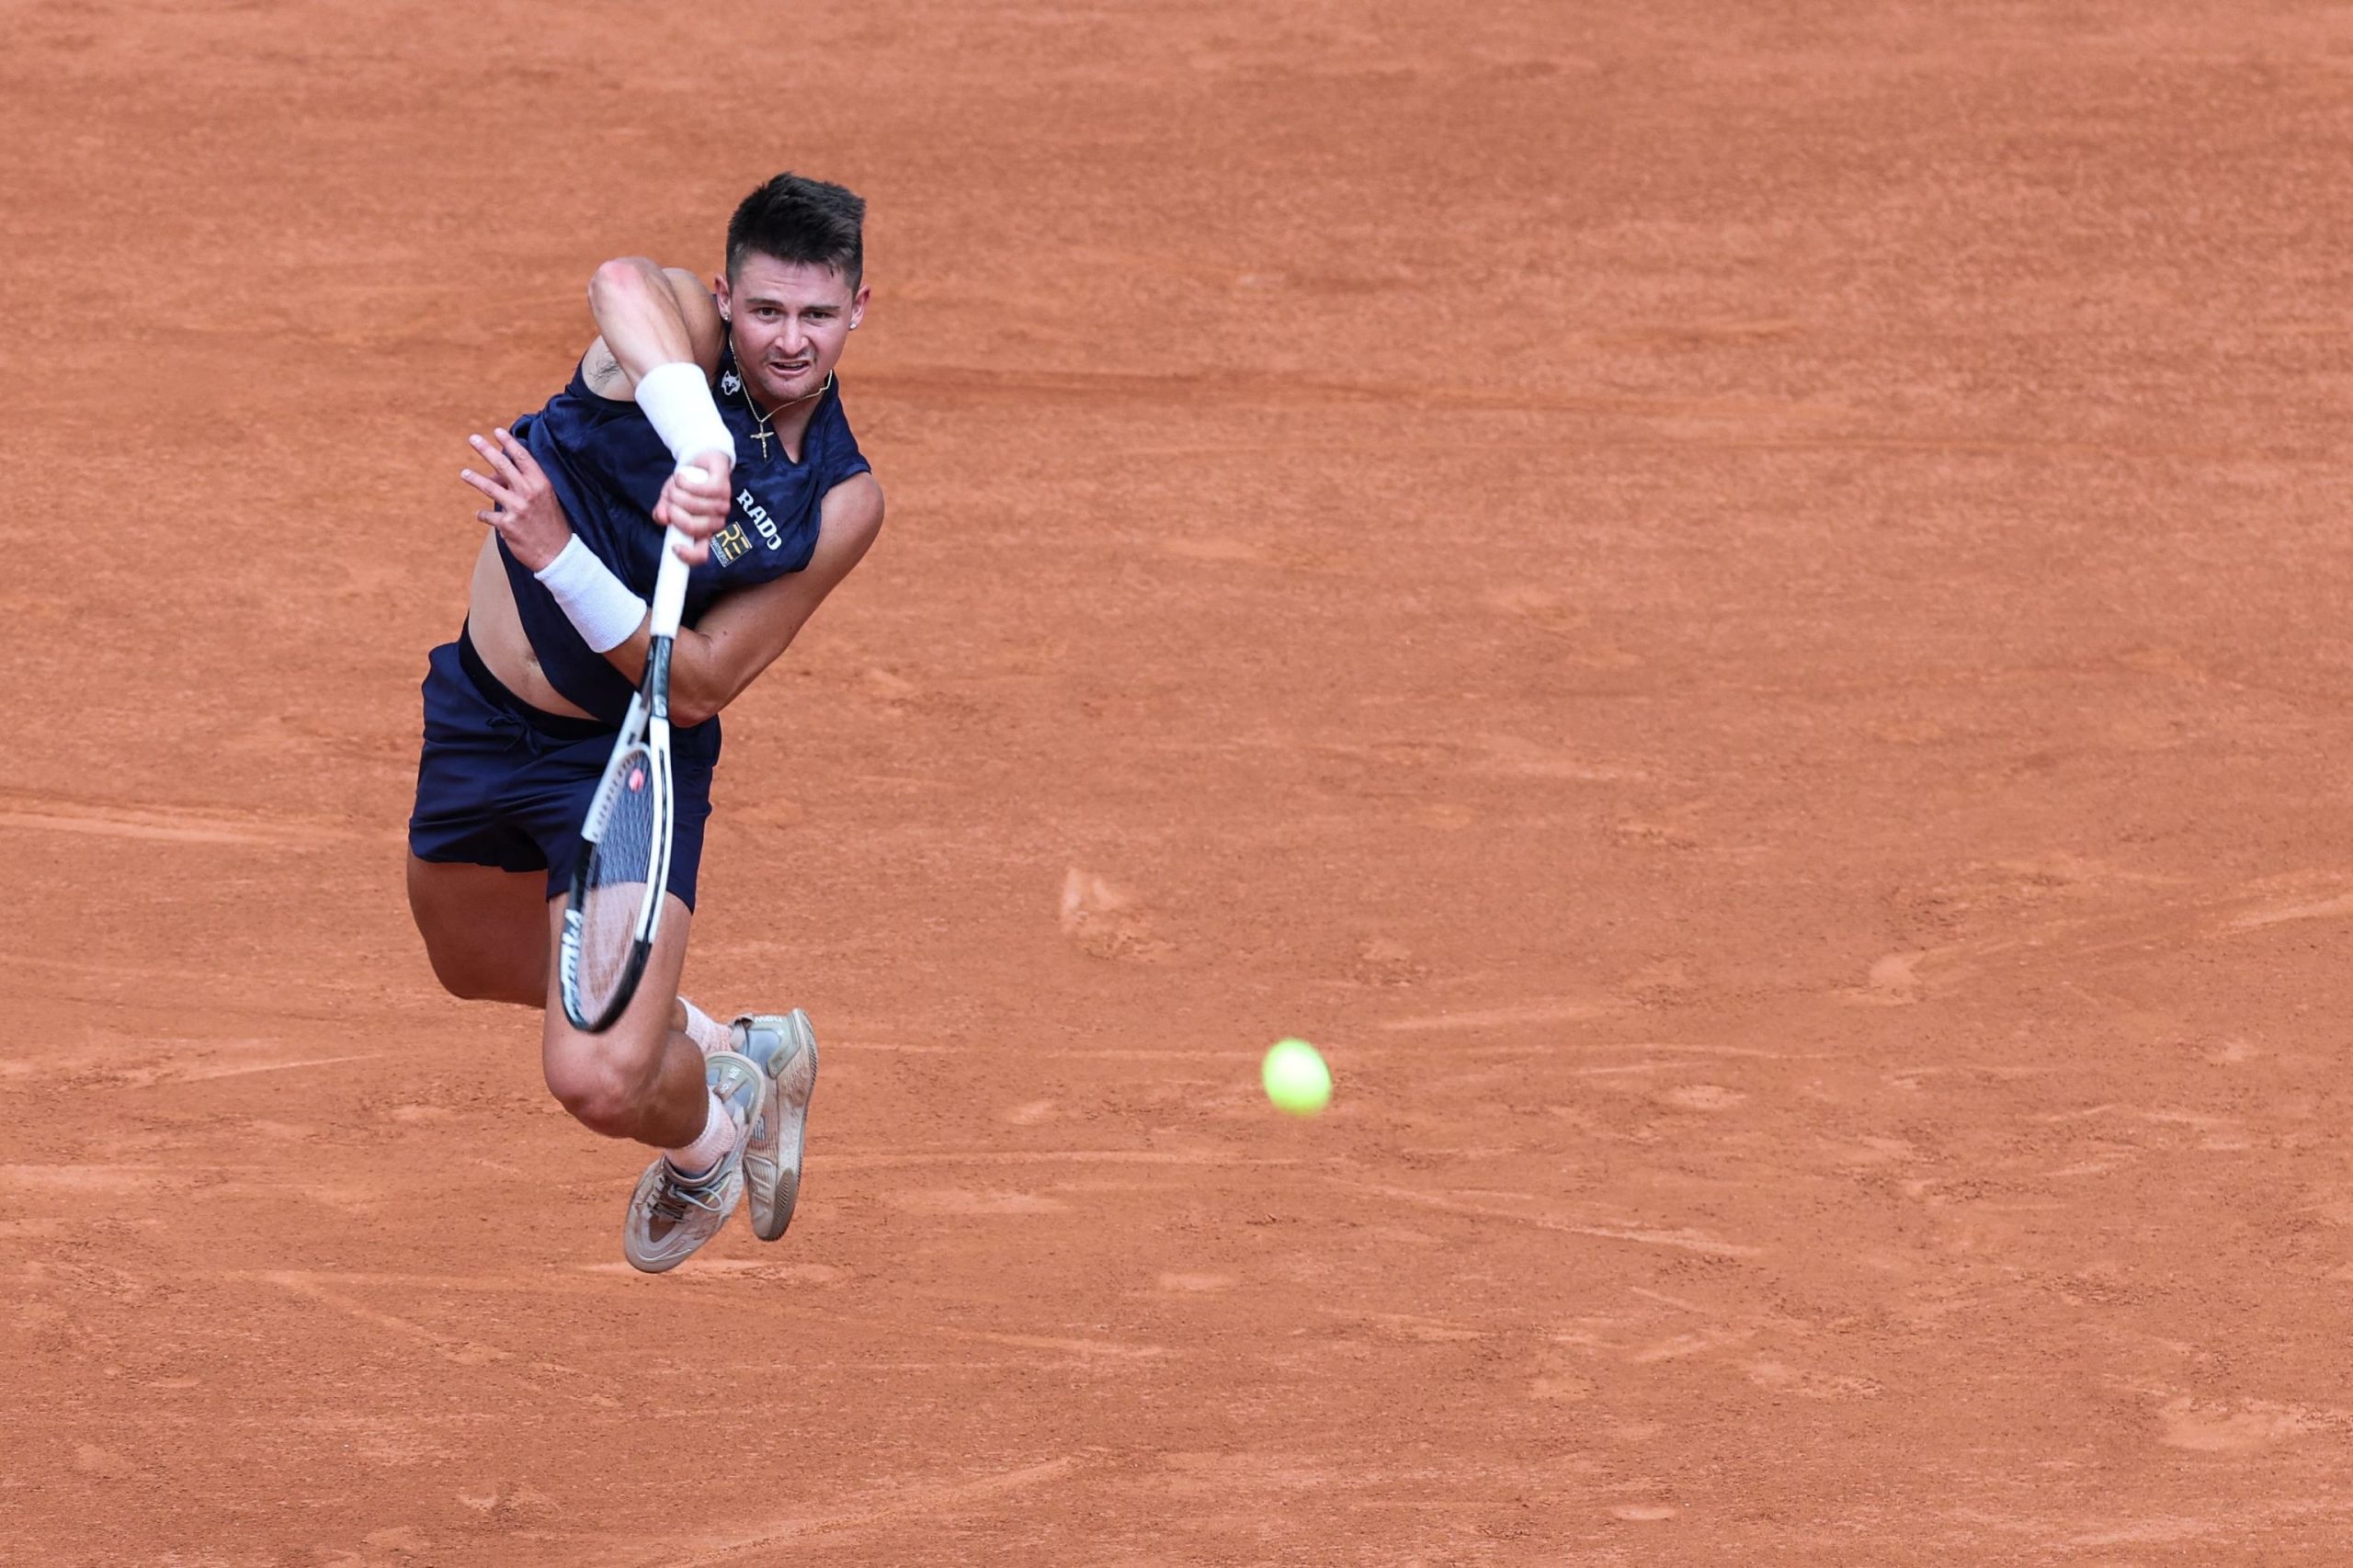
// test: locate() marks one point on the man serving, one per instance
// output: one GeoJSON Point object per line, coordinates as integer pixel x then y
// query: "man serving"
{"type": "Point", "coordinates": [715, 410]}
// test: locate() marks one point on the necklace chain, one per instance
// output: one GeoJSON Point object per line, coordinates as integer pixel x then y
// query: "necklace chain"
{"type": "Point", "coordinates": [763, 424]}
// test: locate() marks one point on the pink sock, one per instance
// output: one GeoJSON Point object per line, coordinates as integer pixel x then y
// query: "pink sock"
{"type": "Point", "coordinates": [719, 1131]}
{"type": "Point", "coordinates": [707, 1032]}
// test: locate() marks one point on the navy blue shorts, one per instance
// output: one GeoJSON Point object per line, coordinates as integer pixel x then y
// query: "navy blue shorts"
{"type": "Point", "coordinates": [502, 783]}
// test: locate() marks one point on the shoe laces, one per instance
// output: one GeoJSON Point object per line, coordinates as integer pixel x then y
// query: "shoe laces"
{"type": "Point", "coordinates": [670, 1200]}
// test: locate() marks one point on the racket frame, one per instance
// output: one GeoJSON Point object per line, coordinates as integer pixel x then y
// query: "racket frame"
{"type": "Point", "coordinates": [647, 724]}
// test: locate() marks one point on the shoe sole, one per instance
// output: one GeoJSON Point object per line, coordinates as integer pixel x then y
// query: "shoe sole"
{"type": "Point", "coordinates": [780, 1118]}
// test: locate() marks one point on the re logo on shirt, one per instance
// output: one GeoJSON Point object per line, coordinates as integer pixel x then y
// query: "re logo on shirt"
{"type": "Point", "coordinates": [732, 543]}
{"type": "Point", "coordinates": [728, 545]}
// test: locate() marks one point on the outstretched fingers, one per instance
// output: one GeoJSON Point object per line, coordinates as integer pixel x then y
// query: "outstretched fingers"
{"type": "Point", "coordinates": [523, 504]}
{"type": "Point", "coordinates": [502, 485]}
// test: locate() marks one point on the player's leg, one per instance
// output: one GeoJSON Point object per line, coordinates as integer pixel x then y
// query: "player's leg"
{"type": "Point", "coordinates": [782, 1046]}
{"type": "Point", "coordinates": [500, 792]}
{"type": "Point", "coordinates": [646, 1079]}
{"type": "Point", "coordinates": [486, 933]}
{"type": "Point", "coordinates": [484, 929]}
{"type": "Point", "coordinates": [643, 1078]}
{"type": "Point", "coordinates": [476, 877]}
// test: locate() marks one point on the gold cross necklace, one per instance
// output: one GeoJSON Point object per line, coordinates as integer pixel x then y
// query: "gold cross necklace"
{"type": "Point", "coordinates": [761, 422]}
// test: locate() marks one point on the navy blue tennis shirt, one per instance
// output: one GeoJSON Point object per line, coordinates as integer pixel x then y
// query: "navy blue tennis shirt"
{"type": "Point", "coordinates": [607, 465]}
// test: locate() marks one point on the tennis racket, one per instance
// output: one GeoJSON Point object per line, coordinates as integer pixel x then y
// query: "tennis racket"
{"type": "Point", "coordinates": [623, 864]}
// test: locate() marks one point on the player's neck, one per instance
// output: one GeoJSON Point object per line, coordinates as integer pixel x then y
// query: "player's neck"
{"type": "Point", "coordinates": [784, 424]}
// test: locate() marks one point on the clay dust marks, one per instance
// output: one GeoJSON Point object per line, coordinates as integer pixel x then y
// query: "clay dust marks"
{"type": "Point", "coordinates": [894, 1506]}
{"type": "Point", "coordinates": [2242, 1427]}
{"type": "Point", "coordinates": [1561, 1011]}
{"type": "Point", "coordinates": [458, 1351]}
{"type": "Point", "coordinates": [851, 1159]}
{"type": "Point", "coordinates": [166, 825]}
{"type": "Point", "coordinates": [1416, 1326]}
{"type": "Point", "coordinates": [1271, 392]}
{"type": "Point", "coordinates": [169, 1073]}
{"type": "Point", "coordinates": [1059, 1344]}
{"type": "Point", "coordinates": [1684, 1238]}
{"type": "Point", "coordinates": [1575, 1360]}
{"type": "Point", "coordinates": [958, 1202]}
{"type": "Point", "coordinates": [754, 1278]}
{"type": "Point", "coordinates": [2171, 921]}
{"type": "Point", "coordinates": [99, 1180]}
{"type": "Point", "coordinates": [1079, 1347]}
{"type": "Point", "coordinates": [1105, 920]}
{"type": "Point", "coordinates": [2332, 906]}
{"type": "Point", "coordinates": [1196, 1284]}
{"type": "Point", "coordinates": [140, 1062]}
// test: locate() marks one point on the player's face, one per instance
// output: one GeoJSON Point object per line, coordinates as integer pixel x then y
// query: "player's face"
{"type": "Point", "coordinates": [790, 321]}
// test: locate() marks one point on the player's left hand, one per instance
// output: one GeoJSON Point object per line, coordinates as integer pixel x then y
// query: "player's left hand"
{"type": "Point", "coordinates": [523, 506]}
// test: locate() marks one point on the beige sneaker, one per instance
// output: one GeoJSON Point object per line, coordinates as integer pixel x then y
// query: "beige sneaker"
{"type": "Point", "coordinates": [671, 1216]}
{"type": "Point", "coordinates": [785, 1049]}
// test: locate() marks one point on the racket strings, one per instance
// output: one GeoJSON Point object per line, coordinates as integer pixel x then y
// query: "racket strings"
{"type": "Point", "coordinates": [612, 901]}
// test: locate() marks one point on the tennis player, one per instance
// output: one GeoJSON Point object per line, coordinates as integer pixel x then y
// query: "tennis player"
{"type": "Point", "coordinates": [714, 409]}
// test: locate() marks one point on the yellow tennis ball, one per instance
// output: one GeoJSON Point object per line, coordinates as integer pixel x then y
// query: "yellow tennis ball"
{"type": "Point", "coordinates": [1296, 1078]}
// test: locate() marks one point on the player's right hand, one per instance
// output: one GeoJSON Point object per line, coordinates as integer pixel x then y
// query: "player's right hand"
{"type": "Point", "coordinates": [523, 506]}
{"type": "Point", "coordinates": [697, 507]}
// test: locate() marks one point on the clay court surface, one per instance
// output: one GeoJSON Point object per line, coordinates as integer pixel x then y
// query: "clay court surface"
{"type": "Point", "coordinates": [1742, 610]}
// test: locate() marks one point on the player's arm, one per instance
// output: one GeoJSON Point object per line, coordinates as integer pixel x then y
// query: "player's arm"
{"type": "Point", "coordinates": [658, 339]}
{"type": "Point", "coordinates": [711, 662]}
{"type": "Point", "coordinates": [646, 316]}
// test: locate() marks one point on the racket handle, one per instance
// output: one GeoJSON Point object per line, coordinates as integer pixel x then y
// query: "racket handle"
{"type": "Point", "coordinates": [669, 586]}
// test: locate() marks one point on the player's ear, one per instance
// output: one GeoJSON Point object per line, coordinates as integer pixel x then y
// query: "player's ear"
{"type": "Point", "coordinates": [719, 291]}
{"type": "Point", "coordinates": [858, 307]}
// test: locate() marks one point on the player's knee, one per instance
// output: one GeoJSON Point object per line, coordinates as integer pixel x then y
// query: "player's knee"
{"type": "Point", "coordinates": [605, 1093]}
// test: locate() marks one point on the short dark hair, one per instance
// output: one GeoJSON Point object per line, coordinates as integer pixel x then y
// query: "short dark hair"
{"type": "Point", "coordinates": [796, 218]}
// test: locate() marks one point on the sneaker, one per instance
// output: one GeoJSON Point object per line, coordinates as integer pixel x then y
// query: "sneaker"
{"type": "Point", "coordinates": [669, 1215]}
{"type": "Point", "coordinates": [785, 1049]}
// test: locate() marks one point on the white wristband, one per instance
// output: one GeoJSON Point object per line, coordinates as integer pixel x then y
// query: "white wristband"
{"type": "Point", "coordinates": [599, 606]}
{"type": "Point", "coordinates": [676, 396]}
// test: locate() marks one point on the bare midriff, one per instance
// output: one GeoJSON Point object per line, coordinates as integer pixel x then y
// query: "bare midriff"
{"type": "Point", "coordinates": [498, 633]}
